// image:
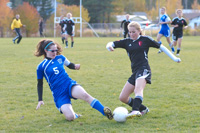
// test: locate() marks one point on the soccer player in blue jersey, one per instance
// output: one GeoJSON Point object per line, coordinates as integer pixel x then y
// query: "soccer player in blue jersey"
{"type": "Point", "coordinates": [179, 24]}
{"type": "Point", "coordinates": [125, 22]}
{"type": "Point", "coordinates": [165, 30]}
{"type": "Point", "coordinates": [137, 47]}
{"type": "Point", "coordinates": [62, 86]}
{"type": "Point", "coordinates": [69, 29]}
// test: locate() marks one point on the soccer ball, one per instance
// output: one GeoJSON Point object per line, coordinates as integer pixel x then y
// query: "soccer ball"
{"type": "Point", "coordinates": [119, 114]}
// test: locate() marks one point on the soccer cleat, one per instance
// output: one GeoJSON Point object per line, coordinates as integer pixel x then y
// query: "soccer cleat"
{"type": "Point", "coordinates": [77, 116]}
{"type": "Point", "coordinates": [108, 113]}
{"type": "Point", "coordinates": [160, 51]}
{"type": "Point", "coordinates": [145, 111]}
{"type": "Point", "coordinates": [177, 54]}
{"type": "Point", "coordinates": [133, 114]}
{"type": "Point", "coordinates": [66, 47]}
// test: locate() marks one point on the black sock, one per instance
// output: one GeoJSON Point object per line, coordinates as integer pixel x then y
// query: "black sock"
{"type": "Point", "coordinates": [142, 107]}
{"type": "Point", "coordinates": [63, 39]}
{"type": "Point", "coordinates": [130, 103]}
{"type": "Point", "coordinates": [72, 44]}
{"type": "Point", "coordinates": [66, 42]}
{"type": "Point", "coordinates": [136, 104]}
{"type": "Point", "coordinates": [178, 51]}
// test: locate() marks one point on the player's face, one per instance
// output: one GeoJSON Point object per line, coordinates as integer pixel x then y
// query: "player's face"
{"type": "Point", "coordinates": [162, 11]}
{"type": "Point", "coordinates": [179, 13]}
{"type": "Point", "coordinates": [52, 52]}
{"type": "Point", "coordinates": [134, 33]}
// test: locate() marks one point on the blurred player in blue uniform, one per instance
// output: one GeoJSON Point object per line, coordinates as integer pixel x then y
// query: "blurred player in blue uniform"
{"type": "Point", "coordinates": [69, 28]}
{"type": "Point", "coordinates": [165, 30]}
{"type": "Point", "coordinates": [137, 47]}
{"type": "Point", "coordinates": [179, 24]}
{"type": "Point", "coordinates": [62, 86]}
{"type": "Point", "coordinates": [125, 22]}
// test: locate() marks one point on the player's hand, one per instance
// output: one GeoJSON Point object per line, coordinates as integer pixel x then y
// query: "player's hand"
{"type": "Point", "coordinates": [111, 48]}
{"type": "Point", "coordinates": [39, 104]}
{"type": "Point", "coordinates": [77, 66]}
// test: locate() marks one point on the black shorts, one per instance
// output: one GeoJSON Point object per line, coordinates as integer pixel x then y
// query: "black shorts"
{"type": "Point", "coordinates": [69, 32]}
{"type": "Point", "coordinates": [140, 73]}
{"type": "Point", "coordinates": [175, 36]}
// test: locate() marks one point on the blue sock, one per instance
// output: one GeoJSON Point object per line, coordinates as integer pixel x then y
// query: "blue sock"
{"type": "Point", "coordinates": [97, 105]}
{"type": "Point", "coordinates": [160, 42]}
{"type": "Point", "coordinates": [172, 49]}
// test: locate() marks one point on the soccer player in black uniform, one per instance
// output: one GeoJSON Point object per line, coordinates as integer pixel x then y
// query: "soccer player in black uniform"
{"type": "Point", "coordinates": [177, 35]}
{"type": "Point", "coordinates": [41, 25]}
{"type": "Point", "coordinates": [125, 22]}
{"type": "Point", "coordinates": [69, 27]}
{"type": "Point", "coordinates": [137, 47]}
{"type": "Point", "coordinates": [62, 31]}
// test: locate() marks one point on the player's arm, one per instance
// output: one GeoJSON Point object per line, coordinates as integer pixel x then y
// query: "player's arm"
{"type": "Point", "coordinates": [185, 24]}
{"type": "Point", "coordinates": [40, 92]}
{"type": "Point", "coordinates": [167, 52]}
{"type": "Point", "coordinates": [116, 44]}
{"type": "Point", "coordinates": [122, 23]}
{"type": "Point", "coordinates": [71, 65]}
{"type": "Point", "coordinates": [65, 26]}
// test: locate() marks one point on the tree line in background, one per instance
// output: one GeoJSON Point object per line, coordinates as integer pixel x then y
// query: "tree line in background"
{"type": "Point", "coordinates": [93, 11]}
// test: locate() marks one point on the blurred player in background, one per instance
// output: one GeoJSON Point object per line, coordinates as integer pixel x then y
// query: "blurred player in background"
{"type": "Point", "coordinates": [177, 35]}
{"type": "Point", "coordinates": [16, 25]}
{"type": "Point", "coordinates": [62, 86]}
{"type": "Point", "coordinates": [137, 47]}
{"type": "Point", "coordinates": [62, 26]}
{"type": "Point", "coordinates": [69, 28]}
{"type": "Point", "coordinates": [41, 26]}
{"type": "Point", "coordinates": [125, 22]}
{"type": "Point", "coordinates": [165, 30]}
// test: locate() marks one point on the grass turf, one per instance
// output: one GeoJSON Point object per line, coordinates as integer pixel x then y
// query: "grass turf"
{"type": "Point", "coordinates": [173, 97]}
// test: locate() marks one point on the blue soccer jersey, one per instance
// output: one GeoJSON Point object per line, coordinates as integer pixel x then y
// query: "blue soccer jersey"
{"type": "Point", "coordinates": [165, 30]}
{"type": "Point", "coordinates": [59, 81]}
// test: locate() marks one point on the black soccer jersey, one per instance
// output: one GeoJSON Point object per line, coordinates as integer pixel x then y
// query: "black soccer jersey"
{"type": "Point", "coordinates": [137, 50]}
{"type": "Point", "coordinates": [125, 22]}
{"type": "Point", "coordinates": [180, 22]}
{"type": "Point", "coordinates": [70, 23]}
{"type": "Point", "coordinates": [61, 24]}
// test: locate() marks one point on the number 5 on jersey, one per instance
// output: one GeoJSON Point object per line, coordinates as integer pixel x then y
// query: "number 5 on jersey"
{"type": "Point", "coordinates": [56, 71]}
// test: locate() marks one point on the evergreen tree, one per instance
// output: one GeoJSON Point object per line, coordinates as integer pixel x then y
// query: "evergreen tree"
{"type": "Point", "coordinates": [46, 9]}
{"type": "Point", "coordinates": [16, 3]}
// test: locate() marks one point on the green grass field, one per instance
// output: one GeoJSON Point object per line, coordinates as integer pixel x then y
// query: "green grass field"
{"type": "Point", "coordinates": [173, 97]}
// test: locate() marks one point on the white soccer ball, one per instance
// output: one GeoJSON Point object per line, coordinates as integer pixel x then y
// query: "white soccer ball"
{"type": "Point", "coordinates": [119, 114]}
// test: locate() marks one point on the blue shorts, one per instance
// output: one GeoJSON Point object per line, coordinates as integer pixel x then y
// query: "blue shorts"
{"type": "Point", "coordinates": [64, 96]}
{"type": "Point", "coordinates": [165, 32]}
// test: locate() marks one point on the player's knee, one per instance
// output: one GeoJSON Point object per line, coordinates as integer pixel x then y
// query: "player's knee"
{"type": "Point", "coordinates": [122, 98]}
